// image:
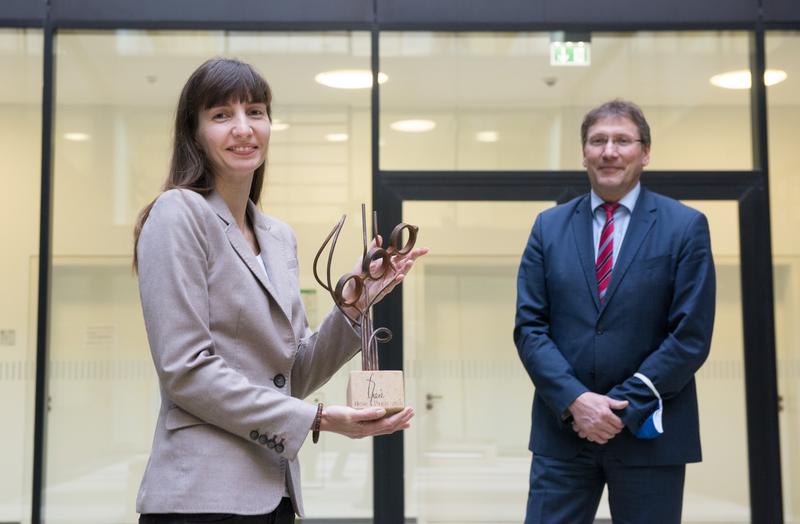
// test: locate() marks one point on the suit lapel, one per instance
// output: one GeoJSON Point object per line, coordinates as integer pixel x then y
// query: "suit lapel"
{"type": "Point", "coordinates": [241, 247]}
{"type": "Point", "coordinates": [640, 224]}
{"type": "Point", "coordinates": [274, 256]}
{"type": "Point", "coordinates": [584, 242]}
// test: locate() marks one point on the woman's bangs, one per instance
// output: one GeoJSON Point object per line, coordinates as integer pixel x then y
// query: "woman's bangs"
{"type": "Point", "coordinates": [236, 84]}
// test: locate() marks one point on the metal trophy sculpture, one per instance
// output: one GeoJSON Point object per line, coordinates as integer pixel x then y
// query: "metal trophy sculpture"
{"type": "Point", "coordinates": [369, 387]}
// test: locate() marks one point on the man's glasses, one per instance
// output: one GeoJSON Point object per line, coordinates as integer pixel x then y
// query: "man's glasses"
{"type": "Point", "coordinates": [618, 142]}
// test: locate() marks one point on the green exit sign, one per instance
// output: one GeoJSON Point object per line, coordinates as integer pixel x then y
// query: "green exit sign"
{"type": "Point", "coordinates": [569, 54]}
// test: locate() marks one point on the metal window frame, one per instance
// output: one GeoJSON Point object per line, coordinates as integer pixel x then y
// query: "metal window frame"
{"type": "Point", "coordinates": [45, 267]}
{"type": "Point", "coordinates": [759, 351]}
{"type": "Point", "coordinates": [391, 188]}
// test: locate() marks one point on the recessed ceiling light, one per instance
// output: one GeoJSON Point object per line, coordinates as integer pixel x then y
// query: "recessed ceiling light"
{"type": "Point", "coordinates": [741, 79]}
{"type": "Point", "coordinates": [336, 137]}
{"type": "Point", "coordinates": [413, 126]}
{"type": "Point", "coordinates": [774, 76]}
{"type": "Point", "coordinates": [349, 78]}
{"type": "Point", "coordinates": [77, 137]}
{"type": "Point", "coordinates": [487, 136]}
{"type": "Point", "coordinates": [279, 125]}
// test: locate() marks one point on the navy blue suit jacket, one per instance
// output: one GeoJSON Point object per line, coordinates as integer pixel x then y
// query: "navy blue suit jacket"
{"type": "Point", "coordinates": [657, 319]}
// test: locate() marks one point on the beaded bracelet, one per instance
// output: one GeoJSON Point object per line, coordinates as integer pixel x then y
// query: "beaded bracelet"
{"type": "Point", "coordinates": [317, 423]}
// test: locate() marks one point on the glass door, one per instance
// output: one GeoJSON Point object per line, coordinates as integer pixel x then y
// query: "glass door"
{"type": "Point", "coordinates": [466, 454]}
{"type": "Point", "coordinates": [467, 457]}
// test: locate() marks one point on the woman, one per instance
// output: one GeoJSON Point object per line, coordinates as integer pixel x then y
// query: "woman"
{"type": "Point", "coordinates": [225, 322]}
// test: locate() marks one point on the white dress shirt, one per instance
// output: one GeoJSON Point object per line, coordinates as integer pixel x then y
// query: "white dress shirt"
{"type": "Point", "coordinates": [622, 217]}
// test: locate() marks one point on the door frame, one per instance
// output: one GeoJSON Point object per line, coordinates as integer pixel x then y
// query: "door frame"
{"type": "Point", "coordinates": [745, 187]}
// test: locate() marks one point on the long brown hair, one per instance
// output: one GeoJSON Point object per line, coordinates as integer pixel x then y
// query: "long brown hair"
{"type": "Point", "coordinates": [216, 82]}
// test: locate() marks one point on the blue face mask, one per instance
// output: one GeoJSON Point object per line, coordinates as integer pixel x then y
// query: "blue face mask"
{"type": "Point", "coordinates": [652, 427]}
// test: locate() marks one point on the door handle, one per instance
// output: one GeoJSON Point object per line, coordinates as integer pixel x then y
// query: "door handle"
{"type": "Point", "coordinates": [429, 398]}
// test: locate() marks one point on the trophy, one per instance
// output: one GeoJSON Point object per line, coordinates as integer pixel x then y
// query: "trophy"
{"type": "Point", "coordinates": [369, 387]}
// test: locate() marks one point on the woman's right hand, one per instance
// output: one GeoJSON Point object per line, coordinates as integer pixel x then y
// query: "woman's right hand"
{"type": "Point", "coordinates": [367, 422]}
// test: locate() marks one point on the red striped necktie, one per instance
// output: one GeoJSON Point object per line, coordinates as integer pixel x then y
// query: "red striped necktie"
{"type": "Point", "coordinates": [605, 252]}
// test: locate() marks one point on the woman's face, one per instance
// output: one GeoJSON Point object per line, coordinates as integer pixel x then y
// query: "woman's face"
{"type": "Point", "coordinates": [234, 137]}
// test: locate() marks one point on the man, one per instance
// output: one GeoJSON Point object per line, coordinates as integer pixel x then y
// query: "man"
{"type": "Point", "coordinates": [615, 310]}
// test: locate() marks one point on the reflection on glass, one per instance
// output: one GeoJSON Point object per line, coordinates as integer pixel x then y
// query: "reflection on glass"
{"type": "Point", "coordinates": [466, 458]}
{"type": "Point", "coordinates": [116, 94]}
{"type": "Point", "coordinates": [497, 103]}
{"type": "Point", "coordinates": [20, 152]}
{"type": "Point", "coordinates": [784, 124]}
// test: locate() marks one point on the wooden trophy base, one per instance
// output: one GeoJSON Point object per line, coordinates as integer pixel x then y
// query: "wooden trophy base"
{"type": "Point", "coordinates": [383, 389]}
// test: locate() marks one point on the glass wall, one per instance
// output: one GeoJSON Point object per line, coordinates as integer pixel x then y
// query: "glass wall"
{"type": "Point", "coordinates": [116, 97]}
{"type": "Point", "coordinates": [784, 126]}
{"type": "Point", "coordinates": [450, 101]}
{"type": "Point", "coordinates": [494, 101]}
{"type": "Point", "coordinates": [20, 169]}
{"type": "Point", "coordinates": [717, 489]}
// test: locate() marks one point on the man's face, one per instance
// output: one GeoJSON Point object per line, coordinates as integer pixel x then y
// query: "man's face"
{"type": "Point", "coordinates": [614, 157]}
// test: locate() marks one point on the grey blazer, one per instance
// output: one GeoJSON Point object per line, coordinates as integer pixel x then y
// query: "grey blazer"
{"type": "Point", "coordinates": [234, 356]}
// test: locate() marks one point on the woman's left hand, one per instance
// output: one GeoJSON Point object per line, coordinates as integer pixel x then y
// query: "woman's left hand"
{"type": "Point", "coordinates": [367, 422]}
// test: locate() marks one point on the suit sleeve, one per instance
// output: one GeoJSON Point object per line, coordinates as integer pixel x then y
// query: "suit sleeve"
{"type": "Point", "coordinates": [173, 282]}
{"type": "Point", "coordinates": [551, 373]}
{"type": "Point", "coordinates": [690, 322]}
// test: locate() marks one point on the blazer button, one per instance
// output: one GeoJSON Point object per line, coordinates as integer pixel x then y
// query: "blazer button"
{"type": "Point", "coordinates": [254, 435]}
{"type": "Point", "coordinates": [279, 447]}
{"type": "Point", "coordinates": [262, 439]}
{"type": "Point", "coordinates": [279, 380]}
{"type": "Point", "coordinates": [600, 331]}
{"type": "Point", "coordinates": [271, 442]}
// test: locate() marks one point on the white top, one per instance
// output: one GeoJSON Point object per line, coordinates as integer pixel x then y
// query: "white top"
{"type": "Point", "coordinates": [261, 263]}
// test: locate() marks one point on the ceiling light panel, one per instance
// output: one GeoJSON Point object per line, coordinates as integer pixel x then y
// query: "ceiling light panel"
{"type": "Point", "coordinates": [349, 78]}
{"type": "Point", "coordinates": [413, 126]}
{"type": "Point", "coordinates": [741, 79]}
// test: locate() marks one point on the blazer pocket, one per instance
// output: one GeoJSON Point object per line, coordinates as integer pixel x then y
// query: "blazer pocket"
{"type": "Point", "coordinates": [178, 418]}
